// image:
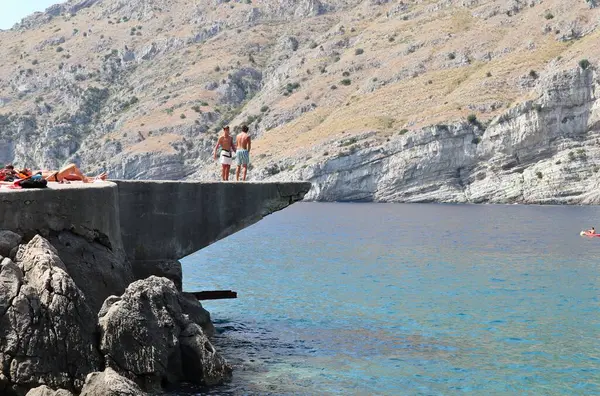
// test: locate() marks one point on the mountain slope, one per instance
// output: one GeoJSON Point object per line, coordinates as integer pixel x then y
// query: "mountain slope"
{"type": "Point", "coordinates": [140, 88]}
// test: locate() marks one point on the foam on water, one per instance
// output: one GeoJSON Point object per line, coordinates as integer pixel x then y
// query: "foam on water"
{"type": "Point", "coordinates": [408, 299]}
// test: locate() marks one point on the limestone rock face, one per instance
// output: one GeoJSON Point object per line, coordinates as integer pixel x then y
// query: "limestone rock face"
{"type": "Point", "coordinates": [109, 383]}
{"type": "Point", "coordinates": [47, 330]}
{"type": "Point", "coordinates": [146, 337]}
{"type": "Point", "coordinates": [541, 151]}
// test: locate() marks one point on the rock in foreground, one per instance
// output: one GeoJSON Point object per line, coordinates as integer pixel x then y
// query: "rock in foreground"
{"type": "Point", "coordinates": [47, 330]}
{"type": "Point", "coordinates": [52, 344]}
{"type": "Point", "coordinates": [46, 391]}
{"type": "Point", "coordinates": [110, 383]}
{"type": "Point", "coordinates": [146, 337]}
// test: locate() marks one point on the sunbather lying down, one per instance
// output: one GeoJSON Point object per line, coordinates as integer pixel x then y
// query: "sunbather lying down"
{"type": "Point", "coordinates": [71, 173]}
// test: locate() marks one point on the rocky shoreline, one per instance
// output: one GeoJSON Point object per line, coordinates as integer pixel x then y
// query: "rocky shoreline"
{"type": "Point", "coordinates": [75, 321]}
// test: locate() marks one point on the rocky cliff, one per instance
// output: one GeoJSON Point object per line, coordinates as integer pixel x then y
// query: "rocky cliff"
{"type": "Point", "coordinates": [387, 100]}
{"type": "Point", "coordinates": [545, 150]}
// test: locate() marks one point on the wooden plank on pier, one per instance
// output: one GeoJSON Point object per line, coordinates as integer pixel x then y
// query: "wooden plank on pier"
{"type": "Point", "coordinates": [215, 295]}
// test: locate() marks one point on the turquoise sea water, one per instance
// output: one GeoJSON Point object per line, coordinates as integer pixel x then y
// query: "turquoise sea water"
{"type": "Point", "coordinates": [365, 299]}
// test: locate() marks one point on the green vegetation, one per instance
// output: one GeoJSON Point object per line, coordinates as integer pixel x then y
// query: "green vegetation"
{"type": "Point", "coordinates": [182, 116]}
{"type": "Point", "coordinates": [264, 109]}
{"type": "Point", "coordinates": [533, 74]}
{"type": "Point", "coordinates": [539, 174]}
{"type": "Point", "coordinates": [346, 81]}
{"type": "Point", "coordinates": [451, 56]}
{"type": "Point", "coordinates": [472, 119]}
{"type": "Point", "coordinates": [346, 74]}
{"type": "Point", "coordinates": [476, 140]}
{"type": "Point", "coordinates": [403, 131]}
{"type": "Point", "coordinates": [359, 51]}
{"type": "Point", "coordinates": [348, 142]}
{"type": "Point", "coordinates": [291, 87]}
{"type": "Point", "coordinates": [59, 49]}
{"type": "Point", "coordinates": [584, 64]}
{"type": "Point", "coordinates": [549, 15]}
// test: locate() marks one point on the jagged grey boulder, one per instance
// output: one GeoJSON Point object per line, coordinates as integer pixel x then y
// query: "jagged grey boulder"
{"type": "Point", "coordinates": [197, 313]}
{"type": "Point", "coordinates": [47, 330]}
{"type": "Point", "coordinates": [146, 337]}
{"type": "Point", "coordinates": [109, 383]}
{"type": "Point", "coordinates": [98, 271]}
{"type": "Point", "coordinates": [8, 241]}
{"type": "Point", "coordinates": [46, 391]}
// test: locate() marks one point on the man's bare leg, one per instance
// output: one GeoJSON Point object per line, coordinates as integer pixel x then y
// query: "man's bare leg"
{"type": "Point", "coordinates": [71, 171]}
{"type": "Point", "coordinates": [223, 167]}
{"type": "Point", "coordinates": [237, 173]}
{"type": "Point", "coordinates": [102, 176]}
{"type": "Point", "coordinates": [245, 170]}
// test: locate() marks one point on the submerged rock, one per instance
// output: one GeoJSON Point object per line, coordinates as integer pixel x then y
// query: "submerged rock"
{"type": "Point", "coordinates": [146, 336]}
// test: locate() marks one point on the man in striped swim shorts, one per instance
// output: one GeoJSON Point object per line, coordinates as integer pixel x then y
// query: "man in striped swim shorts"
{"type": "Point", "coordinates": [243, 145]}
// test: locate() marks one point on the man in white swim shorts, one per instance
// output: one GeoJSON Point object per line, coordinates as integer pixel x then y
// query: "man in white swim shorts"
{"type": "Point", "coordinates": [227, 149]}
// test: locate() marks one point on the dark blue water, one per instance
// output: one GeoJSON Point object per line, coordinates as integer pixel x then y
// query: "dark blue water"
{"type": "Point", "coordinates": [408, 299]}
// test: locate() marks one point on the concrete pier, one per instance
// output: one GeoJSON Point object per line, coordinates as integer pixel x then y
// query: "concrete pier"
{"type": "Point", "coordinates": [145, 220]}
{"type": "Point", "coordinates": [170, 220]}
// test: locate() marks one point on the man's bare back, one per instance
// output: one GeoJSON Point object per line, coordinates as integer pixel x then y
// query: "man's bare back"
{"type": "Point", "coordinates": [243, 141]}
{"type": "Point", "coordinates": [244, 144]}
